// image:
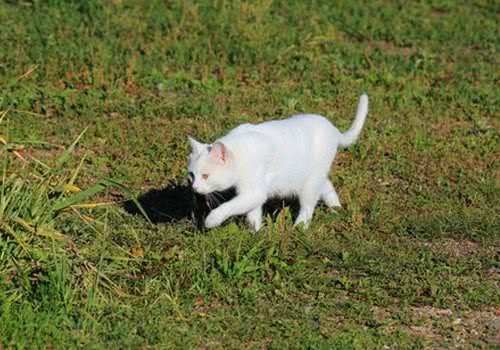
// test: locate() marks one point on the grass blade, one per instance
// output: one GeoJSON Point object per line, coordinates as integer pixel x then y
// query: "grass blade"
{"type": "Point", "coordinates": [80, 196]}
{"type": "Point", "coordinates": [70, 149]}
{"type": "Point", "coordinates": [124, 188]}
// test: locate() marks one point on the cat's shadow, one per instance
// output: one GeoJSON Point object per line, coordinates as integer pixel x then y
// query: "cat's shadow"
{"type": "Point", "coordinates": [177, 202]}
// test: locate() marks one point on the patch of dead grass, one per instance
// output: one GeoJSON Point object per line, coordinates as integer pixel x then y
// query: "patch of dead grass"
{"type": "Point", "coordinates": [454, 248]}
{"type": "Point", "coordinates": [447, 327]}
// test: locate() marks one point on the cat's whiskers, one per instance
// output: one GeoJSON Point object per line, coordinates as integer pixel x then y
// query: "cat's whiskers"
{"type": "Point", "coordinates": [212, 200]}
{"type": "Point", "coordinates": [219, 197]}
{"type": "Point", "coordinates": [208, 198]}
{"type": "Point", "coordinates": [215, 197]}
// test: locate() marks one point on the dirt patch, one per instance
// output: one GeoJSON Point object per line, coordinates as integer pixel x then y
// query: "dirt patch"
{"type": "Point", "coordinates": [430, 311]}
{"type": "Point", "coordinates": [459, 329]}
{"type": "Point", "coordinates": [380, 314]}
{"type": "Point", "coordinates": [258, 344]}
{"type": "Point", "coordinates": [425, 318]}
{"type": "Point", "coordinates": [391, 49]}
{"type": "Point", "coordinates": [454, 248]}
{"type": "Point", "coordinates": [483, 325]}
{"type": "Point", "coordinates": [438, 13]}
{"type": "Point", "coordinates": [494, 273]}
{"type": "Point", "coordinates": [446, 126]}
{"type": "Point", "coordinates": [445, 327]}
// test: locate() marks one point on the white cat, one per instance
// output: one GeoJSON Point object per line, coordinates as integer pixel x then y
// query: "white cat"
{"type": "Point", "coordinates": [272, 159]}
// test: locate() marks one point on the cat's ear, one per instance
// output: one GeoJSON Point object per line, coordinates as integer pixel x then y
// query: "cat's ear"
{"type": "Point", "coordinates": [195, 145]}
{"type": "Point", "coordinates": [218, 152]}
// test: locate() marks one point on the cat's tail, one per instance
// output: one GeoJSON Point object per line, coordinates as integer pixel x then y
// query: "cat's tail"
{"type": "Point", "coordinates": [351, 135]}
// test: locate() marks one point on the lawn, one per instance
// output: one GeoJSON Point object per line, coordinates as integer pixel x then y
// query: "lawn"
{"type": "Point", "coordinates": [97, 246]}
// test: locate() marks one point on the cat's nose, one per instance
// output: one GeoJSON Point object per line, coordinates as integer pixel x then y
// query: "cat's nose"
{"type": "Point", "coordinates": [195, 186]}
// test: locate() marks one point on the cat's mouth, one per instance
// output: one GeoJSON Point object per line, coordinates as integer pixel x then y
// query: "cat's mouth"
{"type": "Point", "coordinates": [198, 190]}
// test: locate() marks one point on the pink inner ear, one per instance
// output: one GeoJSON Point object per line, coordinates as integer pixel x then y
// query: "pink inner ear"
{"type": "Point", "coordinates": [218, 151]}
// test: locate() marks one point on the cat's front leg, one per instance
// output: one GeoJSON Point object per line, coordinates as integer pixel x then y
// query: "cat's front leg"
{"type": "Point", "coordinates": [254, 218]}
{"type": "Point", "coordinates": [241, 204]}
{"type": "Point", "coordinates": [215, 218]}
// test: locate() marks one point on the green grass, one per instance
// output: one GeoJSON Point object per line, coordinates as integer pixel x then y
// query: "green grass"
{"type": "Point", "coordinates": [100, 96]}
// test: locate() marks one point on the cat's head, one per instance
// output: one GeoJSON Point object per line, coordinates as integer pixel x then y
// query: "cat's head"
{"type": "Point", "coordinates": [210, 167]}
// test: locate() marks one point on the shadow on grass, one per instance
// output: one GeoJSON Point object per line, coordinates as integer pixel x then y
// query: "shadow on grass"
{"type": "Point", "coordinates": [178, 202]}
{"type": "Point", "coordinates": [169, 205]}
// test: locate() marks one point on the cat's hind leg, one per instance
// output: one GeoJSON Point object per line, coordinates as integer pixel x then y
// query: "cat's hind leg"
{"type": "Point", "coordinates": [329, 195]}
{"type": "Point", "coordinates": [308, 199]}
{"type": "Point", "coordinates": [254, 218]}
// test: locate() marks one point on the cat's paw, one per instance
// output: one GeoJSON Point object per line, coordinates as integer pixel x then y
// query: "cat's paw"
{"type": "Point", "coordinates": [213, 219]}
{"type": "Point", "coordinates": [255, 224]}
{"type": "Point", "coordinates": [303, 221]}
{"type": "Point", "coordinates": [331, 199]}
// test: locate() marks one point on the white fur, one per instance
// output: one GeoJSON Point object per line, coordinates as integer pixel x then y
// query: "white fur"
{"type": "Point", "coordinates": [273, 159]}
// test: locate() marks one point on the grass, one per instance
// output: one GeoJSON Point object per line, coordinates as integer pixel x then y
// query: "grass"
{"type": "Point", "coordinates": [96, 101]}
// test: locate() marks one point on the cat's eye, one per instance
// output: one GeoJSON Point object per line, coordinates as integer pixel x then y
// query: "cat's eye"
{"type": "Point", "coordinates": [191, 175]}
{"type": "Point", "coordinates": [204, 176]}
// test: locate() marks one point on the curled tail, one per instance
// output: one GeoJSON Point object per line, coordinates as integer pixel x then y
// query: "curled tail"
{"type": "Point", "coordinates": [351, 135]}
